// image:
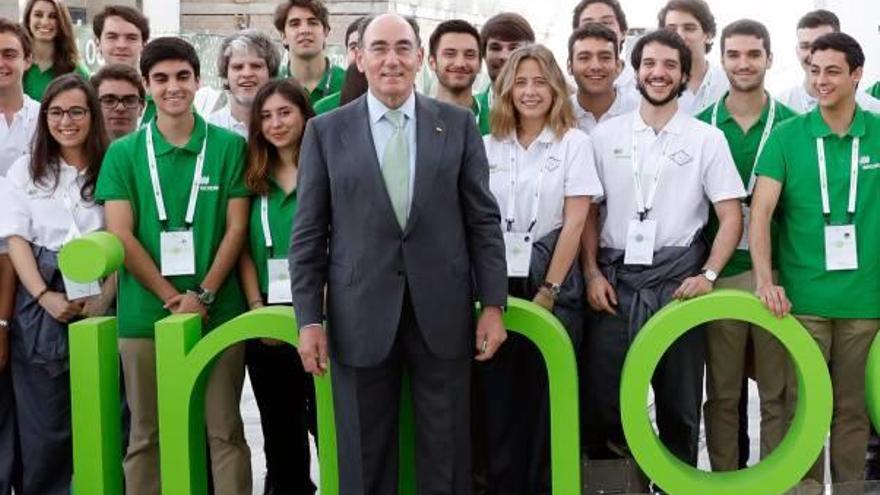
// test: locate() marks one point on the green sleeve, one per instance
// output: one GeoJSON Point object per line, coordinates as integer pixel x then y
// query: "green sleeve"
{"type": "Point", "coordinates": [112, 180]}
{"type": "Point", "coordinates": [237, 187]}
{"type": "Point", "coordinates": [327, 103]}
{"type": "Point", "coordinates": [771, 163]}
{"type": "Point", "coordinates": [706, 115]}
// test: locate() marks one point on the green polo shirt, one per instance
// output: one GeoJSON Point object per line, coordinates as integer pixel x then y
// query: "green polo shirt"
{"type": "Point", "coordinates": [481, 110]}
{"type": "Point", "coordinates": [125, 176]}
{"type": "Point", "coordinates": [327, 103]}
{"type": "Point", "coordinates": [330, 82]}
{"type": "Point", "coordinates": [790, 157]}
{"type": "Point", "coordinates": [36, 81]}
{"type": "Point", "coordinates": [282, 208]}
{"type": "Point", "coordinates": [743, 146]}
{"type": "Point", "coordinates": [875, 90]}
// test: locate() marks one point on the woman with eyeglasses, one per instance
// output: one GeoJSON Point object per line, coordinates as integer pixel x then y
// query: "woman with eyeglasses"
{"type": "Point", "coordinates": [50, 27]}
{"type": "Point", "coordinates": [50, 203]}
{"type": "Point", "coordinates": [278, 118]}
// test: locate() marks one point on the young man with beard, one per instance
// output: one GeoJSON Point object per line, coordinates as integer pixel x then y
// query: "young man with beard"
{"type": "Point", "coordinates": [454, 56]}
{"type": "Point", "coordinates": [803, 97]}
{"type": "Point", "coordinates": [822, 170]}
{"type": "Point", "coordinates": [610, 14]}
{"type": "Point", "coordinates": [500, 36]}
{"type": "Point", "coordinates": [694, 22]}
{"type": "Point", "coordinates": [661, 170]}
{"type": "Point", "coordinates": [304, 26]}
{"type": "Point", "coordinates": [746, 115]}
{"type": "Point", "coordinates": [121, 95]}
{"type": "Point", "coordinates": [594, 61]}
{"type": "Point", "coordinates": [246, 63]}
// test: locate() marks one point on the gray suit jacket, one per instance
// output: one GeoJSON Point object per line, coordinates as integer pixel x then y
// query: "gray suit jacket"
{"type": "Point", "coordinates": [346, 235]}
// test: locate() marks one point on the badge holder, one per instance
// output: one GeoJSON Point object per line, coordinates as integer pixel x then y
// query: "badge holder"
{"type": "Point", "coordinates": [177, 253]}
{"type": "Point", "coordinates": [279, 281]}
{"type": "Point", "coordinates": [640, 240]}
{"type": "Point", "coordinates": [840, 247]}
{"type": "Point", "coordinates": [518, 251]}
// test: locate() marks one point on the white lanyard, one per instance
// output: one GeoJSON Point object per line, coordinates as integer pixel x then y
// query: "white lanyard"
{"type": "Point", "coordinates": [643, 204]}
{"type": "Point", "coordinates": [264, 218]}
{"type": "Point", "coordinates": [71, 207]}
{"type": "Point", "coordinates": [853, 177]}
{"type": "Point", "coordinates": [511, 191]}
{"type": "Point", "coordinates": [157, 187]}
{"type": "Point", "coordinates": [768, 126]}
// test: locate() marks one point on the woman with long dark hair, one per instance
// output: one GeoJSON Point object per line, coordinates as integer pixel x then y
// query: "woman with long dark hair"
{"type": "Point", "coordinates": [278, 117]}
{"type": "Point", "coordinates": [49, 24]}
{"type": "Point", "coordinates": [50, 203]}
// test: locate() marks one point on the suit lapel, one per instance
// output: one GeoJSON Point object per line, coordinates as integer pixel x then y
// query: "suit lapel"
{"type": "Point", "coordinates": [430, 138]}
{"type": "Point", "coordinates": [358, 135]}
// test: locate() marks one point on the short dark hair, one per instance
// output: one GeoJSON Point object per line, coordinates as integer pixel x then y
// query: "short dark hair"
{"type": "Point", "coordinates": [747, 27]}
{"type": "Point", "coordinates": [316, 6]}
{"type": "Point", "coordinates": [666, 38]}
{"type": "Point", "coordinates": [506, 26]}
{"type": "Point", "coordinates": [118, 72]}
{"type": "Point", "coordinates": [352, 28]}
{"type": "Point", "coordinates": [168, 48]}
{"type": "Point", "coordinates": [613, 4]}
{"type": "Point", "coordinates": [844, 43]}
{"type": "Point", "coordinates": [7, 26]}
{"type": "Point", "coordinates": [413, 23]}
{"type": "Point", "coordinates": [593, 30]}
{"type": "Point", "coordinates": [129, 14]}
{"type": "Point", "coordinates": [451, 26]}
{"type": "Point", "coordinates": [820, 17]}
{"type": "Point", "coordinates": [697, 8]}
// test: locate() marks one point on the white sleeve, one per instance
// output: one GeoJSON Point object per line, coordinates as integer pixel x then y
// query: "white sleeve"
{"type": "Point", "coordinates": [581, 178]}
{"type": "Point", "coordinates": [721, 179]}
{"type": "Point", "coordinates": [16, 218]}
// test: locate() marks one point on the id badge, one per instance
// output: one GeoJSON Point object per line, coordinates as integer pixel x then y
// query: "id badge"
{"type": "Point", "coordinates": [76, 290]}
{"type": "Point", "coordinates": [840, 247]}
{"type": "Point", "coordinates": [177, 253]}
{"type": "Point", "coordinates": [518, 251]}
{"type": "Point", "coordinates": [640, 238]}
{"type": "Point", "coordinates": [279, 281]}
{"type": "Point", "coordinates": [744, 240]}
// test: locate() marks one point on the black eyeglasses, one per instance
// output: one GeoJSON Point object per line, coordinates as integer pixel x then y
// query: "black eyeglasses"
{"type": "Point", "coordinates": [128, 101]}
{"type": "Point", "coordinates": [55, 114]}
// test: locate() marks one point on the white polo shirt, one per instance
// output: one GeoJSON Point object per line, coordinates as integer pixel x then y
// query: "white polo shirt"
{"type": "Point", "coordinates": [797, 99]}
{"type": "Point", "coordinates": [43, 215]}
{"type": "Point", "coordinates": [223, 118]}
{"type": "Point", "coordinates": [624, 102]}
{"type": "Point", "coordinates": [711, 89]}
{"type": "Point", "coordinates": [696, 170]}
{"type": "Point", "coordinates": [563, 166]}
{"type": "Point", "coordinates": [15, 138]}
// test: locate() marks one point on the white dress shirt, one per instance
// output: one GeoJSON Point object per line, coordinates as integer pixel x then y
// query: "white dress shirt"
{"type": "Point", "coordinates": [15, 138]}
{"type": "Point", "coordinates": [223, 118]}
{"type": "Point", "coordinates": [697, 170]}
{"type": "Point", "coordinates": [797, 99]}
{"type": "Point", "coordinates": [567, 167]}
{"type": "Point", "coordinates": [382, 129]}
{"type": "Point", "coordinates": [711, 89]}
{"type": "Point", "coordinates": [624, 102]}
{"type": "Point", "coordinates": [44, 215]}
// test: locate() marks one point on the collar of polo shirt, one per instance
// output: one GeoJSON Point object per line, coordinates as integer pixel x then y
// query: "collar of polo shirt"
{"type": "Point", "coordinates": [818, 128]}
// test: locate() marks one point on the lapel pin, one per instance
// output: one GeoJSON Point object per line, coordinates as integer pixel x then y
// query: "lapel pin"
{"type": "Point", "coordinates": [438, 129]}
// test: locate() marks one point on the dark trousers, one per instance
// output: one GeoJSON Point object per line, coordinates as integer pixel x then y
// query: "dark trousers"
{"type": "Point", "coordinates": [283, 391]}
{"type": "Point", "coordinates": [8, 451]}
{"type": "Point", "coordinates": [42, 400]}
{"type": "Point", "coordinates": [677, 383]}
{"type": "Point", "coordinates": [367, 403]}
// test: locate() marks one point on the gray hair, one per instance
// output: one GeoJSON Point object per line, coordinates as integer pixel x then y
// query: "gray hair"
{"type": "Point", "coordinates": [248, 41]}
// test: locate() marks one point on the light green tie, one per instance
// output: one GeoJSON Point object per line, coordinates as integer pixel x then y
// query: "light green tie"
{"type": "Point", "coordinates": [395, 166]}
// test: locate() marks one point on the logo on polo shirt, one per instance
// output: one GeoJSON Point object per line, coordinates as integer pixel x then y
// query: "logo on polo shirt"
{"type": "Point", "coordinates": [206, 186]}
{"type": "Point", "coordinates": [620, 153]}
{"type": "Point", "coordinates": [681, 158]}
{"type": "Point", "coordinates": [865, 162]}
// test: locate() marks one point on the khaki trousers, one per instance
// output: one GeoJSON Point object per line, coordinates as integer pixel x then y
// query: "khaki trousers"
{"type": "Point", "coordinates": [230, 456]}
{"type": "Point", "coordinates": [726, 359]}
{"type": "Point", "coordinates": [844, 344]}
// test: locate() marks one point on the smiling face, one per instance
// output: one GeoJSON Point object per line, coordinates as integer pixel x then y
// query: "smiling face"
{"type": "Point", "coordinates": [531, 92]}
{"type": "Point", "coordinates": [43, 22]}
{"type": "Point", "coordinates": [497, 53]}
{"type": "Point", "coordinates": [390, 59]}
{"type": "Point", "coordinates": [691, 31]}
{"type": "Point", "coordinates": [594, 65]}
{"type": "Point", "coordinates": [659, 75]}
{"type": "Point", "coordinates": [304, 34]}
{"type": "Point", "coordinates": [457, 61]}
{"type": "Point", "coordinates": [281, 121]}
{"type": "Point", "coordinates": [831, 78]}
{"type": "Point", "coordinates": [247, 73]}
{"type": "Point", "coordinates": [13, 63]}
{"type": "Point", "coordinates": [68, 118]}
{"type": "Point", "coordinates": [173, 85]}
{"type": "Point", "coordinates": [121, 42]}
{"type": "Point", "coordinates": [746, 62]}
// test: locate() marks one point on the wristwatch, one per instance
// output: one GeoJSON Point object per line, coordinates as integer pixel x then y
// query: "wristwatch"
{"type": "Point", "coordinates": [710, 274]}
{"type": "Point", "coordinates": [551, 288]}
{"type": "Point", "coordinates": [205, 296]}
{"type": "Point", "coordinates": [4, 324]}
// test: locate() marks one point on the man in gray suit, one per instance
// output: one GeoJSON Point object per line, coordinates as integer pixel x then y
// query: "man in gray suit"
{"type": "Point", "coordinates": [395, 215]}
